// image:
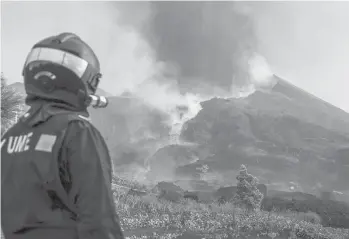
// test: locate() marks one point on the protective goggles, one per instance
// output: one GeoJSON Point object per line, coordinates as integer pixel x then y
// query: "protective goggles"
{"type": "Point", "coordinates": [66, 59]}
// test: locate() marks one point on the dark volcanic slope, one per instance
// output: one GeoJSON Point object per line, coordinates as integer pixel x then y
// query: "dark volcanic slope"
{"type": "Point", "coordinates": [317, 110]}
{"type": "Point", "coordinates": [284, 135]}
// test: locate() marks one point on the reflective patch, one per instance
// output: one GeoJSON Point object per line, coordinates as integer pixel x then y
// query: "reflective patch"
{"type": "Point", "coordinates": [45, 73]}
{"type": "Point", "coordinates": [66, 59]}
{"type": "Point", "coordinates": [46, 143]}
{"type": "Point", "coordinates": [85, 118]}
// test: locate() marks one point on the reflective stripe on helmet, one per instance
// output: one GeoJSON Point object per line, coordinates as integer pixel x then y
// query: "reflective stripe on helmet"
{"type": "Point", "coordinates": [66, 59]}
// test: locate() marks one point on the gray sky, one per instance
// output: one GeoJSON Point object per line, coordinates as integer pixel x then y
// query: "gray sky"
{"type": "Point", "coordinates": [307, 43]}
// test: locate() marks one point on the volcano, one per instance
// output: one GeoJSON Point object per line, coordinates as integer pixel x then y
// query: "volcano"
{"type": "Point", "coordinates": [283, 135]}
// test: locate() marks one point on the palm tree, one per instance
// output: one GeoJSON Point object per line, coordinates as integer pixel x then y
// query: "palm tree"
{"type": "Point", "coordinates": [11, 105]}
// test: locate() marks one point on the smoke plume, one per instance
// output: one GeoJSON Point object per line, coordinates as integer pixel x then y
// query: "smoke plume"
{"type": "Point", "coordinates": [170, 55]}
{"type": "Point", "coordinates": [122, 35]}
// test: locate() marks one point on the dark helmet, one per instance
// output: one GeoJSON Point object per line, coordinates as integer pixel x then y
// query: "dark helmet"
{"type": "Point", "coordinates": [62, 68]}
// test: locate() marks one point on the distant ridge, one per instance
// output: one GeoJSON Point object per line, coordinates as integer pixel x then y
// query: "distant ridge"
{"type": "Point", "coordinates": [283, 84]}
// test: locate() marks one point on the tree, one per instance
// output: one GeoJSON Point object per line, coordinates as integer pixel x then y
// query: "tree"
{"type": "Point", "coordinates": [247, 195]}
{"type": "Point", "coordinates": [11, 105]}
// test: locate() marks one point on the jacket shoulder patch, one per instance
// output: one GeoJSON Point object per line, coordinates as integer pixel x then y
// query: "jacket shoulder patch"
{"type": "Point", "coordinates": [46, 143]}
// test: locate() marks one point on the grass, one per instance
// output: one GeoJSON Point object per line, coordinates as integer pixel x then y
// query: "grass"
{"type": "Point", "coordinates": [153, 217]}
{"type": "Point", "coordinates": [149, 217]}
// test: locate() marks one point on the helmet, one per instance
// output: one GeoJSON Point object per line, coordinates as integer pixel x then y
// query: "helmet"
{"type": "Point", "coordinates": [62, 68]}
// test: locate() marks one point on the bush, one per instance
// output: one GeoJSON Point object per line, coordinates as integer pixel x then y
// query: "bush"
{"type": "Point", "coordinates": [150, 214]}
{"type": "Point", "coordinates": [309, 217]}
{"type": "Point", "coordinates": [332, 213]}
{"type": "Point", "coordinates": [12, 104]}
{"type": "Point", "coordinates": [247, 194]}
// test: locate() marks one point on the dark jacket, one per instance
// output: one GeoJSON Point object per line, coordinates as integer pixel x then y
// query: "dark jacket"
{"type": "Point", "coordinates": [56, 178]}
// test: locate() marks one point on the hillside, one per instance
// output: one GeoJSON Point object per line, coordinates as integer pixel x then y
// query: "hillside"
{"type": "Point", "coordinates": [285, 136]}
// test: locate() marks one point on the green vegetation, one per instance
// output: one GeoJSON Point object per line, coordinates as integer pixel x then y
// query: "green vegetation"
{"type": "Point", "coordinates": [332, 213]}
{"type": "Point", "coordinates": [11, 105]}
{"type": "Point", "coordinates": [150, 216]}
{"type": "Point", "coordinates": [247, 194]}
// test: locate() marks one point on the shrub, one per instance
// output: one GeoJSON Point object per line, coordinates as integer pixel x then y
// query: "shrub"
{"type": "Point", "coordinates": [247, 194]}
{"type": "Point", "coordinates": [332, 213]}
{"type": "Point", "coordinates": [311, 217]}
{"type": "Point", "coordinates": [12, 104]}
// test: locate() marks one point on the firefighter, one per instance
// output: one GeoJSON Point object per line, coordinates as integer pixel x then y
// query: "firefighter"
{"type": "Point", "coordinates": [55, 166]}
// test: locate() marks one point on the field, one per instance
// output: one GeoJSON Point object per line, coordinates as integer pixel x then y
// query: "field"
{"type": "Point", "coordinates": [150, 217]}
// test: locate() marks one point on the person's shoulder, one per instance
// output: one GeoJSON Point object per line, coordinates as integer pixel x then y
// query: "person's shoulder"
{"type": "Point", "coordinates": [83, 125]}
{"type": "Point", "coordinates": [82, 133]}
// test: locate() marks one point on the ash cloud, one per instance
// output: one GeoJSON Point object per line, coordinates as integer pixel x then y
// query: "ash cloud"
{"type": "Point", "coordinates": [168, 54]}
